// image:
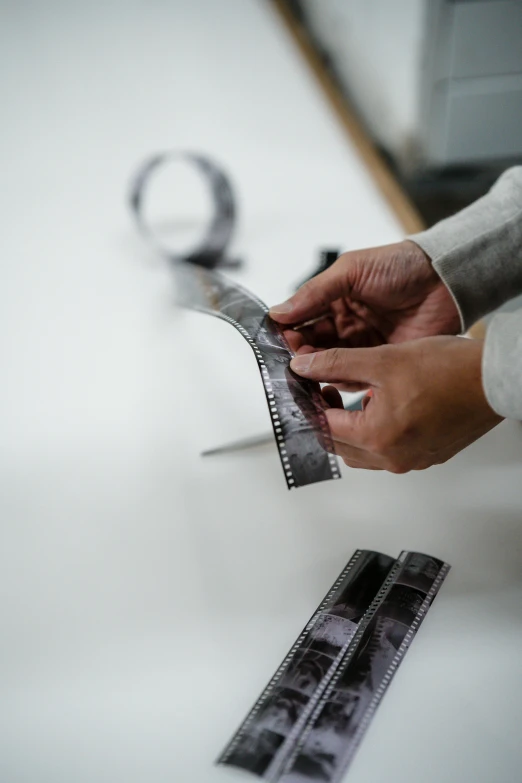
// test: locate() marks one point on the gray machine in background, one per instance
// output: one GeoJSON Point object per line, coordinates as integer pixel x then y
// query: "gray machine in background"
{"type": "Point", "coordinates": [437, 82]}
{"type": "Point", "coordinates": [472, 82]}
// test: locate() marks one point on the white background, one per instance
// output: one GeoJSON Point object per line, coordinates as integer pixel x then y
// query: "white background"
{"type": "Point", "coordinates": [147, 595]}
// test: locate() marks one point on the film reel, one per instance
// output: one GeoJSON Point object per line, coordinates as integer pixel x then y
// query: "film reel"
{"type": "Point", "coordinates": [211, 251]}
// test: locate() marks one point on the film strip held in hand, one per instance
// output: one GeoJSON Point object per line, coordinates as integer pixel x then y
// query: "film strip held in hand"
{"type": "Point", "coordinates": [297, 408]}
{"type": "Point", "coordinates": [310, 719]}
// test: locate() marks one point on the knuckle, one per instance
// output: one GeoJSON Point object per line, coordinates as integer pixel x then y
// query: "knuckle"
{"type": "Point", "coordinates": [397, 467]}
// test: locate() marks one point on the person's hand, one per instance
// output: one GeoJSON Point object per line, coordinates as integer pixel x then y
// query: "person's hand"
{"type": "Point", "coordinates": [427, 402]}
{"type": "Point", "coordinates": [369, 297]}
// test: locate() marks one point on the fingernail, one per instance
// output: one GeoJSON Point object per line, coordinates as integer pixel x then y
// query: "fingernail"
{"type": "Point", "coordinates": [302, 364]}
{"type": "Point", "coordinates": [284, 307]}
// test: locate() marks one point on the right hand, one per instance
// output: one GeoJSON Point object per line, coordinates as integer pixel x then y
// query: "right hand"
{"type": "Point", "coordinates": [386, 294]}
{"type": "Point", "coordinates": [427, 401]}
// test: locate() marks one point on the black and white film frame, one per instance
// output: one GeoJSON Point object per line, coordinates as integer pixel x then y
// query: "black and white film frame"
{"type": "Point", "coordinates": [347, 604]}
{"type": "Point", "coordinates": [315, 739]}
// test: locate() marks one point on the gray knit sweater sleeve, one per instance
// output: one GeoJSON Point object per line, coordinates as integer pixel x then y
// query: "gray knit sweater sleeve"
{"type": "Point", "coordinates": [478, 255]}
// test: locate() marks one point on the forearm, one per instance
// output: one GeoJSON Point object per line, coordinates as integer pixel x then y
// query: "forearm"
{"type": "Point", "coordinates": [478, 252]}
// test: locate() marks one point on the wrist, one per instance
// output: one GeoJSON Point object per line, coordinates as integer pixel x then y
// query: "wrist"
{"type": "Point", "coordinates": [416, 256]}
{"type": "Point", "coordinates": [447, 303]}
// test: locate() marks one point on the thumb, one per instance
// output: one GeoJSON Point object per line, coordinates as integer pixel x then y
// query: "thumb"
{"type": "Point", "coordinates": [312, 299]}
{"type": "Point", "coordinates": [354, 367]}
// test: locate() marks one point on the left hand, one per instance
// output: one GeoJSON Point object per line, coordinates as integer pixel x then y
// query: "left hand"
{"type": "Point", "coordinates": [427, 401]}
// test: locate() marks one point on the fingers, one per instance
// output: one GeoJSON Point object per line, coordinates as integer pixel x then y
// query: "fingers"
{"type": "Point", "coordinates": [357, 438]}
{"type": "Point", "coordinates": [357, 336]}
{"type": "Point", "coordinates": [312, 299]}
{"type": "Point", "coordinates": [354, 457]}
{"type": "Point", "coordinates": [353, 386]}
{"type": "Point", "coordinates": [294, 339]}
{"type": "Point", "coordinates": [358, 465]}
{"type": "Point", "coordinates": [359, 367]}
{"type": "Point", "coordinates": [321, 334]}
{"type": "Point", "coordinates": [350, 430]}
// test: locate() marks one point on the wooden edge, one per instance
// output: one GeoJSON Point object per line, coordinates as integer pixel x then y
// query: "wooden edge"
{"type": "Point", "coordinates": [400, 204]}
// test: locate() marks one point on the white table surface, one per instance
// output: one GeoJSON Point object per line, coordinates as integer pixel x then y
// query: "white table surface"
{"type": "Point", "coordinates": [147, 595]}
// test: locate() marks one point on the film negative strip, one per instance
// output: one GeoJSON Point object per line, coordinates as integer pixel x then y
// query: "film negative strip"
{"type": "Point", "coordinates": [266, 739]}
{"type": "Point", "coordinates": [297, 408]}
{"type": "Point", "coordinates": [311, 717]}
{"type": "Point", "coordinates": [211, 251]}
